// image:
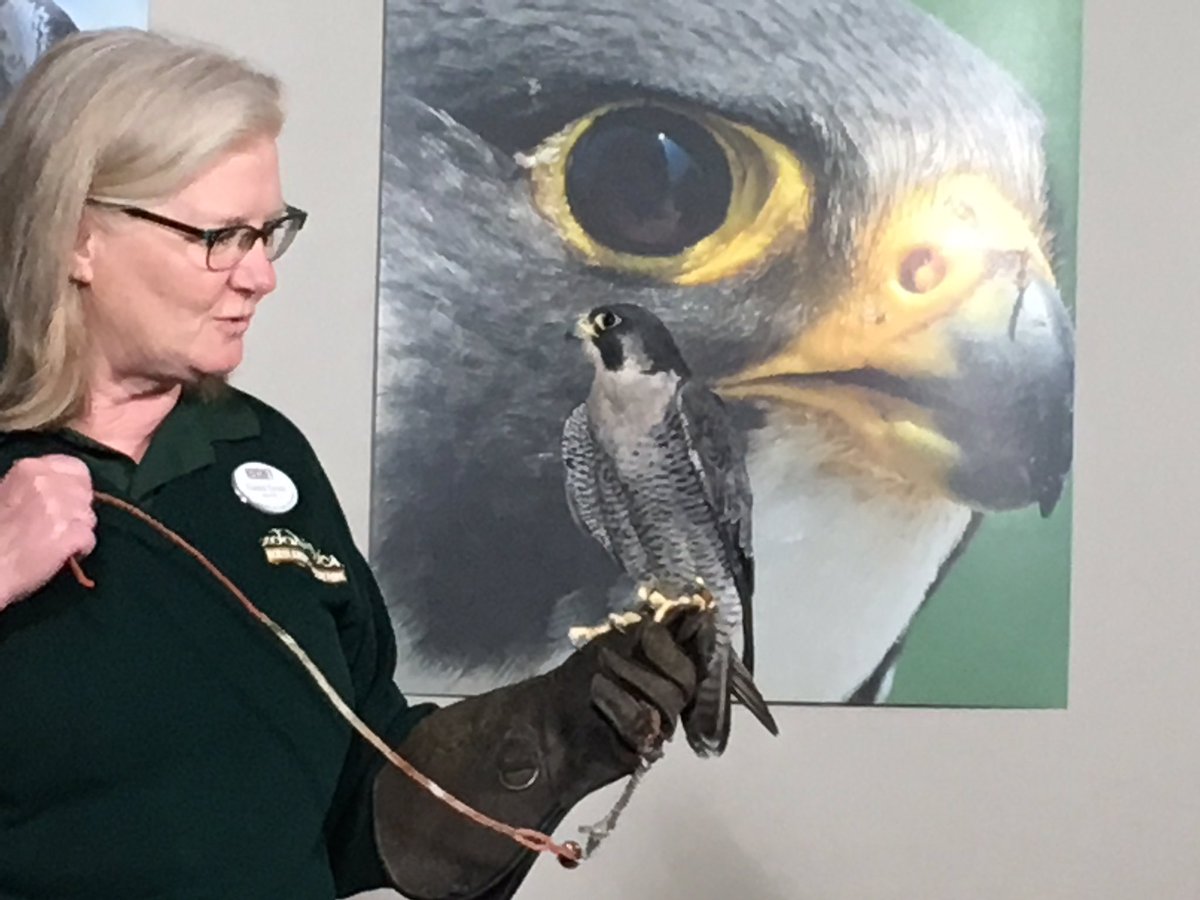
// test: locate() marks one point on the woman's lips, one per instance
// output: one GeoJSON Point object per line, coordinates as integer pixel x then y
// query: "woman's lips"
{"type": "Point", "coordinates": [234, 326]}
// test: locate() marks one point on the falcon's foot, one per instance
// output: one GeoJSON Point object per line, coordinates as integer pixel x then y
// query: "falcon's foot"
{"type": "Point", "coordinates": [615, 622]}
{"type": "Point", "coordinates": [663, 606]}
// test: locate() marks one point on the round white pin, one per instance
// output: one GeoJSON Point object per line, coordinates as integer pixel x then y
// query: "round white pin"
{"type": "Point", "coordinates": [265, 487]}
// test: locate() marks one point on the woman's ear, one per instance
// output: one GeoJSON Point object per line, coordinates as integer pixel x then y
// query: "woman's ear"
{"type": "Point", "coordinates": [83, 254]}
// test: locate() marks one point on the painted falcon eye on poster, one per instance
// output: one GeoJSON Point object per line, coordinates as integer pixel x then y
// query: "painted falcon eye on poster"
{"type": "Point", "coordinates": [856, 221]}
{"type": "Point", "coordinates": [28, 28]}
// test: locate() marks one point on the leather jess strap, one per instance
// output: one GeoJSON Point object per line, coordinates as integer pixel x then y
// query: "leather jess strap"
{"type": "Point", "coordinates": [569, 853]}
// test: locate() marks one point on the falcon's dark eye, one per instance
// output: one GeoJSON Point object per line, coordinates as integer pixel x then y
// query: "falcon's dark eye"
{"type": "Point", "coordinates": [676, 194]}
{"type": "Point", "coordinates": [647, 181]}
{"type": "Point", "coordinates": [606, 321]}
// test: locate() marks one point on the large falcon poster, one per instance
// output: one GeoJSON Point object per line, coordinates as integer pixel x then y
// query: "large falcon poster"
{"type": "Point", "coordinates": [29, 27]}
{"type": "Point", "coordinates": [856, 216]}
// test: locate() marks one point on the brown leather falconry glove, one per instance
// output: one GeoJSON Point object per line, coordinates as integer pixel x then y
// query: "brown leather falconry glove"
{"type": "Point", "coordinates": [525, 754]}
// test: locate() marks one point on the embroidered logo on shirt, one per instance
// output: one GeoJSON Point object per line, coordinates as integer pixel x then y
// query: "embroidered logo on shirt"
{"type": "Point", "coordinates": [283, 546]}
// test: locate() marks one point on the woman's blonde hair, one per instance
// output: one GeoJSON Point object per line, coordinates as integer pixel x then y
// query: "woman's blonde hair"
{"type": "Point", "coordinates": [118, 113]}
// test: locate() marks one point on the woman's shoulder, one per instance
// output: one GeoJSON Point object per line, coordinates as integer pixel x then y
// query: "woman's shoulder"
{"type": "Point", "coordinates": [273, 421]}
{"type": "Point", "coordinates": [277, 430]}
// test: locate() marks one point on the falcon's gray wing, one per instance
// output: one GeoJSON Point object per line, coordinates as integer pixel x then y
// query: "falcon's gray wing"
{"type": "Point", "coordinates": [717, 451]}
{"type": "Point", "coordinates": [586, 464]}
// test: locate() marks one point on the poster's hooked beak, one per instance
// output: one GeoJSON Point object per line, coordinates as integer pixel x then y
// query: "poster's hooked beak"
{"type": "Point", "coordinates": [950, 361]}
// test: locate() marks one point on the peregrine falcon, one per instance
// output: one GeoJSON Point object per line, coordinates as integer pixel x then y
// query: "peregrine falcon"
{"type": "Point", "coordinates": [839, 205]}
{"type": "Point", "coordinates": [656, 473]}
{"type": "Point", "coordinates": [28, 28]}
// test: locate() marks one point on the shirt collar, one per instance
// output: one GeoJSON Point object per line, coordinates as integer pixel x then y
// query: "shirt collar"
{"type": "Point", "coordinates": [183, 442]}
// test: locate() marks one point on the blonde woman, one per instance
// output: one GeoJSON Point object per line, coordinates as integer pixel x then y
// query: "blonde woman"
{"type": "Point", "coordinates": [157, 741]}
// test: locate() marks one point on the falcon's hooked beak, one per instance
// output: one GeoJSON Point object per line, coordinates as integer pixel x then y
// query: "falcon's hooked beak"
{"type": "Point", "coordinates": [949, 360]}
{"type": "Point", "coordinates": [585, 330]}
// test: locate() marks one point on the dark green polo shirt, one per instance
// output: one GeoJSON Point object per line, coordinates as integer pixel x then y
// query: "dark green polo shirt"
{"type": "Point", "coordinates": [158, 742]}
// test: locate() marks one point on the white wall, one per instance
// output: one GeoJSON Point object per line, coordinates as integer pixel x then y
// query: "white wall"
{"type": "Point", "coordinates": [1101, 801]}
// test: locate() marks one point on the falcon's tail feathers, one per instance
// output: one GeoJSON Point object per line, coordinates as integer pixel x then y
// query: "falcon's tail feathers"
{"type": "Point", "coordinates": [741, 683]}
{"type": "Point", "coordinates": [708, 723]}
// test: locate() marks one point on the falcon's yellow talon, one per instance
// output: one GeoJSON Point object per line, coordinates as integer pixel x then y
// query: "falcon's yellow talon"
{"type": "Point", "coordinates": [581, 634]}
{"type": "Point", "coordinates": [654, 603]}
{"type": "Point", "coordinates": [622, 621]}
{"type": "Point", "coordinates": [663, 606]}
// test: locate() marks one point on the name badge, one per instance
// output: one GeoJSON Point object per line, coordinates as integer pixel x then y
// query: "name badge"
{"type": "Point", "coordinates": [265, 487]}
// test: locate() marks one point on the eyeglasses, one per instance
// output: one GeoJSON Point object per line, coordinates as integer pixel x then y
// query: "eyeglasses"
{"type": "Point", "coordinates": [225, 247]}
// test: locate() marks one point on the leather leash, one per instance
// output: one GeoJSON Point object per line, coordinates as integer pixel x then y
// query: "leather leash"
{"type": "Point", "coordinates": [569, 853]}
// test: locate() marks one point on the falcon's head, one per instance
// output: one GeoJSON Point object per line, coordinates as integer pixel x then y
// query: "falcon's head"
{"type": "Point", "coordinates": [624, 337]}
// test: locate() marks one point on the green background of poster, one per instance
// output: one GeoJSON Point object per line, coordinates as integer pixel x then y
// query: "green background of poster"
{"type": "Point", "coordinates": [997, 631]}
